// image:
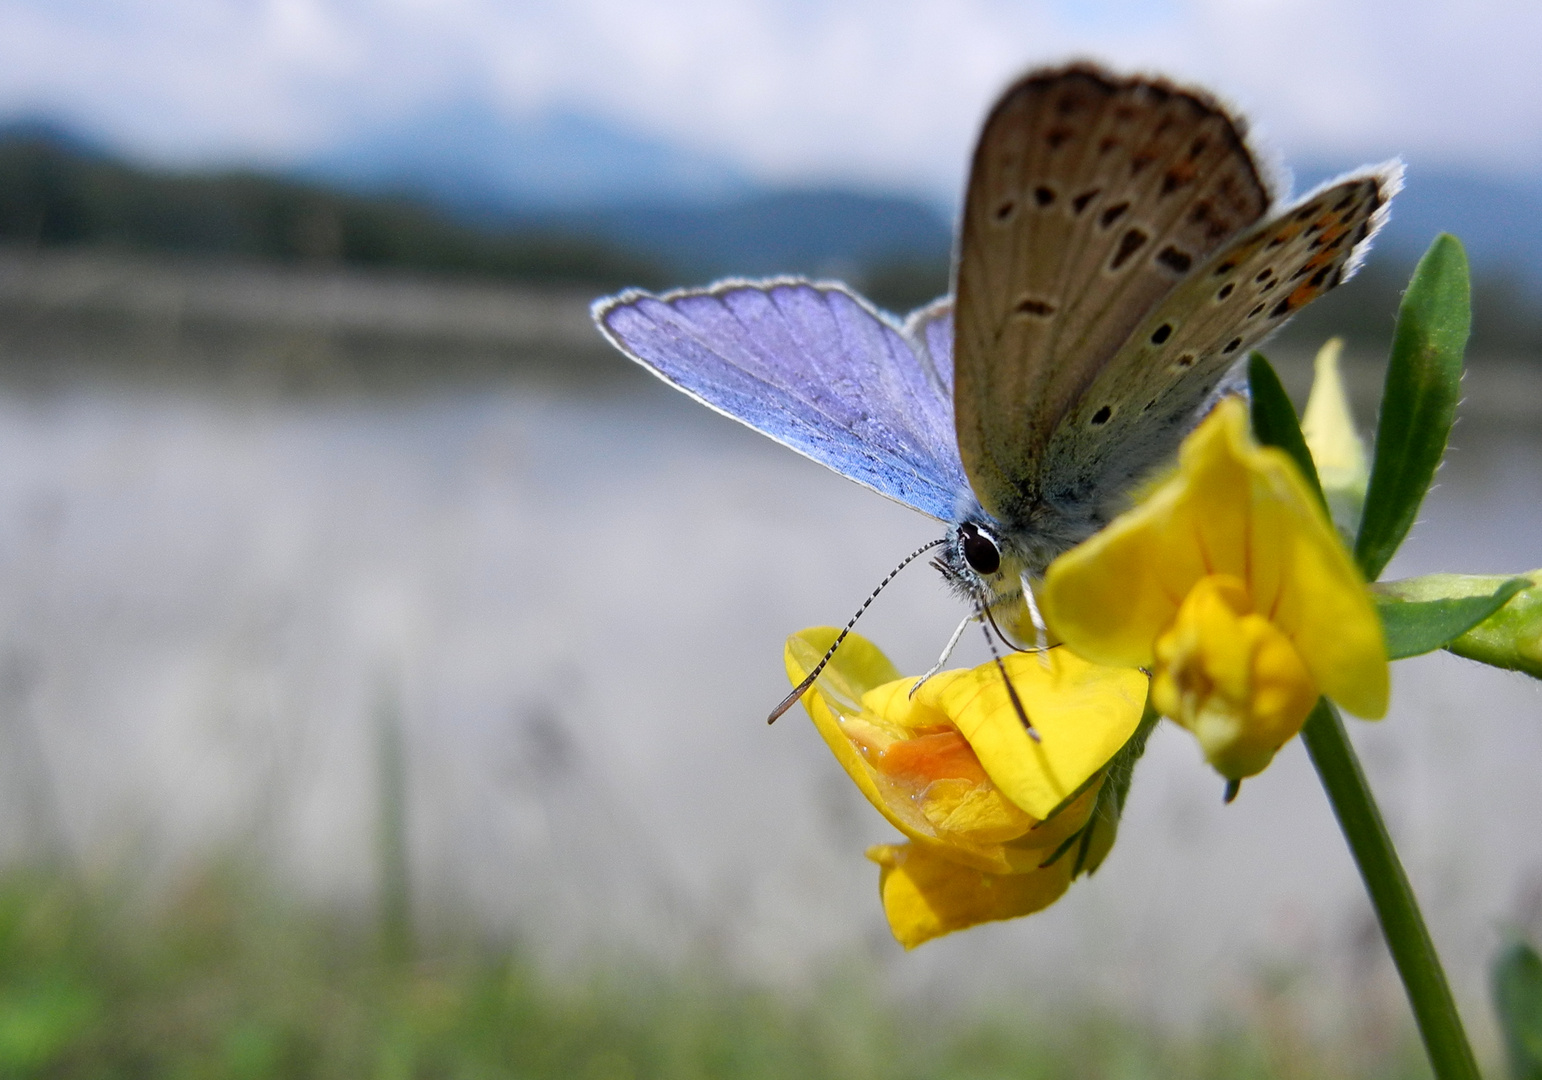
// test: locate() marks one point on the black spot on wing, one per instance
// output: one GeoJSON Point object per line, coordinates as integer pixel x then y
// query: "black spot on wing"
{"type": "Point", "coordinates": [1112, 214]}
{"type": "Point", "coordinates": [1131, 242]}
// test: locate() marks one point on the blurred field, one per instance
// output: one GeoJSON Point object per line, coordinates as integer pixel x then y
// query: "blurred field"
{"type": "Point", "coordinates": [452, 634]}
{"type": "Point", "coordinates": [225, 981]}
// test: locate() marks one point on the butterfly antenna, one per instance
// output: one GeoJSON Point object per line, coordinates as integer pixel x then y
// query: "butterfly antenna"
{"type": "Point", "coordinates": [947, 651]}
{"type": "Point", "coordinates": [1017, 702]}
{"type": "Point", "coordinates": [802, 688]}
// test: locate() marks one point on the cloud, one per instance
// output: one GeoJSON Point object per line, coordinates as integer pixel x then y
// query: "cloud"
{"type": "Point", "coordinates": [876, 92]}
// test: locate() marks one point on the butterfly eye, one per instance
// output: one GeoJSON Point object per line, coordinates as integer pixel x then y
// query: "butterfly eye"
{"type": "Point", "coordinates": [980, 551]}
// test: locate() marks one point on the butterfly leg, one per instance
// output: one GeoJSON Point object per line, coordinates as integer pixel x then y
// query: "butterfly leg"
{"type": "Point", "coordinates": [1017, 702]}
{"type": "Point", "coordinates": [1040, 630]}
{"type": "Point", "coordinates": [947, 651]}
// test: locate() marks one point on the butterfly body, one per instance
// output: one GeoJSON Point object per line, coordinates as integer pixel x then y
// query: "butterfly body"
{"type": "Point", "coordinates": [1117, 258]}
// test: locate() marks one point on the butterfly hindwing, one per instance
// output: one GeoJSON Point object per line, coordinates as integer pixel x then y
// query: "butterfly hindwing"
{"type": "Point", "coordinates": [931, 329]}
{"type": "Point", "coordinates": [812, 366]}
{"type": "Point", "coordinates": [1143, 402]}
{"type": "Point", "coordinates": [1089, 199]}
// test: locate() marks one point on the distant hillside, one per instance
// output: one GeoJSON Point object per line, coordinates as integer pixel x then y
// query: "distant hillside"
{"type": "Point", "coordinates": [477, 161]}
{"type": "Point", "coordinates": [56, 191]}
{"type": "Point", "coordinates": [814, 232]}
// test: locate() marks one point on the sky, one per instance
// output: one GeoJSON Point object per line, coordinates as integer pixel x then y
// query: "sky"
{"type": "Point", "coordinates": [881, 94]}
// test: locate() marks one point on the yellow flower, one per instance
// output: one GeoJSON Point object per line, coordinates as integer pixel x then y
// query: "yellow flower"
{"type": "Point", "coordinates": [998, 822]}
{"type": "Point", "coordinates": [1229, 583]}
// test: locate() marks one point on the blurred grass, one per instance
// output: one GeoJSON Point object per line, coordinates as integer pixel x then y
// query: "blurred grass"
{"type": "Point", "coordinates": [222, 979]}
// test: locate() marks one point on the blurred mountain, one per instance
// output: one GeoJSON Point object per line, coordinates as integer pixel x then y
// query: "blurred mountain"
{"type": "Point", "coordinates": [820, 232]}
{"type": "Point", "coordinates": [477, 161]}
{"type": "Point", "coordinates": [581, 175]}
{"type": "Point", "coordinates": [571, 198]}
{"type": "Point", "coordinates": [57, 190]}
{"type": "Point", "coordinates": [574, 174]}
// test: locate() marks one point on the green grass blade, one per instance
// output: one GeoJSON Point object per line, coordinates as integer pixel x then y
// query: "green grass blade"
{"type": "Point", "coordinates": [1275, 423]}
{"type": "Point", "coordinates": [1418, 404]}
{"type": "Point", "coordinates": [1517, 986]}
{"type": "Point", "coordinates": [1413, 628]}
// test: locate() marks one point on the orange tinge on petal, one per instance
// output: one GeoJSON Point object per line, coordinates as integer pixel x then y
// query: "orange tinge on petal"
{"type": "Point", "coordinates": [952, 767]}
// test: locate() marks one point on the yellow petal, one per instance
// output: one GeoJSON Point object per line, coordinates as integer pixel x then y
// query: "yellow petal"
{"type": "Point", "coordinates": [835, 702]}
{"type": "Point", "coordinates": [926, 895]}
{"type": "Point", "coordinates": [978, 812]}
{"type": "Point", "coordinates": [1231, 678]}
{"type": "Point", "coordinates": [1328, 615]}
{"type": "Point", "coordinates": [857, 667]}
{"type": "Point", "coordinates": [1330, 435]}
{"type": "Point", "coordinates": [1046, 837]}
{"type": "Point", "coordinates": [1082, 712]}
{"type": "Point", "coordinates": [1237, 509]}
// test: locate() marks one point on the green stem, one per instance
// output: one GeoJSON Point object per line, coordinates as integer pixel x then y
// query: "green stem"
{"type": "Point", "coordinates": [1407, 938]}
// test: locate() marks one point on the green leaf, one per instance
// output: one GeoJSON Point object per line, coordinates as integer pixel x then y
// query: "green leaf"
{"type": "Point", "coordinates": [1418, 404]}
{"type": "Point", "coordinates": [1517, 987]}
{"type": "Point", "coordinates": [1275, 423]}
{"type": "Point", "coordinates": [1116, 788]}
{"type": "Point", "coordinates": [1511, 638]}
{"type": "Point", "coordinates": [1415, 627]}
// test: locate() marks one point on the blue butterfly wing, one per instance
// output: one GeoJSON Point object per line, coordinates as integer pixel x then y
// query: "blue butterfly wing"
{"type": "Point", "coordinates": [814, 367]}
{"type": "Point", "coordinates": [931, 328]}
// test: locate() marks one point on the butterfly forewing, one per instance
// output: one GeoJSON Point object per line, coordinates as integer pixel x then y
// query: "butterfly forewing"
{"type": "Point", "coordinates": [1090, 197]}
{"type": "Point", "coordinates": [1143, 401]}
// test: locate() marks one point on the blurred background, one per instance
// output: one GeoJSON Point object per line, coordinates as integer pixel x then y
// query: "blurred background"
{"type": "Point", "coordinates": [383, 660]}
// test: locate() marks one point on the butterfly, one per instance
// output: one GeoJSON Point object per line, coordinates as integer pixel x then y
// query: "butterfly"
{"type": "Point", "coordinates": [1120, 251]}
